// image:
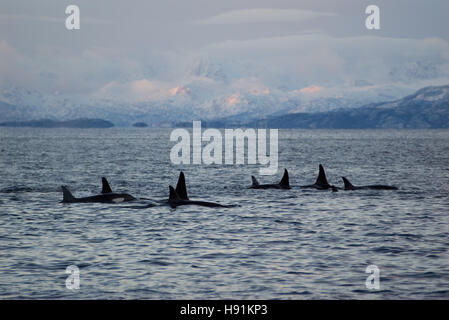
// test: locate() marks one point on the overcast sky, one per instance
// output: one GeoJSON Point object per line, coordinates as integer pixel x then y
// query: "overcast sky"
{"type": "Point", "coordinates": [312, 43]}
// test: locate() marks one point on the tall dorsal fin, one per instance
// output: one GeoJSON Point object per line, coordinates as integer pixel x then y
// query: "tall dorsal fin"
{"type": "Point", "coordinates": [67, 195]}
{"type": "Point", "coordinates": [255, 182]}
{"type": "Point", "coordinates": [106, 187]}
{"type": "Point", "coordinates": [173, 194]}
{"type": "Point", "coordinates": [181, 188]}
{"type": "Point", "coordinates": [321, 180]}
{"type": "Point", "coordinates": [348, 185]}
{"type": "Point", "coordinates": [285, 181]}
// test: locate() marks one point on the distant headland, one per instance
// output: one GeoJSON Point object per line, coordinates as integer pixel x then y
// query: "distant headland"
{"type": "Point", "coordinates": [140, 125]}
{"type": "Point", "coordinates": [82, 123]}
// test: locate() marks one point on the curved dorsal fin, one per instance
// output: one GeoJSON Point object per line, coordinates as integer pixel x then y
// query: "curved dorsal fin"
{"type": "Point", "coordinates": [255, 182]}
{"type": "Point", "coordinates": [173, 195]}
{"type": "Point", "coordinates": [67, 195]}
{"type": "Point", "coordinates": [348, 185]}
{"type": "Point", "coordinates": [321, 180]}
{"type": "Point", "coordinates": [181, 188]}
{"type": "Point", "coordinates": [106, 187]}
{"type": "Point", "coordinates": [285, 181]}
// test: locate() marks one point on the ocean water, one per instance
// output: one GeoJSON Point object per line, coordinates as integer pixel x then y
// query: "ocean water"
{"type": "Point", "coordinates": [276, 244]}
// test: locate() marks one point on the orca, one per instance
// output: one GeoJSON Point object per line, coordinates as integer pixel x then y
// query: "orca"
{"type": "Point", "coordinates": [349, 186]}
{"type": "Point", "coordinates": [106, 188]}
{"type": "Point", "coordinates": [283, 184]}
{"type": "Point", "coordinates": [179, 196]}
{"type": "Point", "coordinates": [109, 197]}
{"type": "Point", "coordinates": [321, 182]}
{"type": "Point", "coordinates": [181, 188]}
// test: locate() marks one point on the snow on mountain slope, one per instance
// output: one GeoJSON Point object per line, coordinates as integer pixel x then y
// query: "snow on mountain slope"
{"type": "Point", "coordinates": [205, 90]}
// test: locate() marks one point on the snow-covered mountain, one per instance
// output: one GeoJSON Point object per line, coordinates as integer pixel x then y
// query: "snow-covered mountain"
{"type": "Point", "coordinates": [426, 108]}
{"type": "Point", "coordinates": [188, 102]}
{"type": "Point", "coordinates": [206, 90]}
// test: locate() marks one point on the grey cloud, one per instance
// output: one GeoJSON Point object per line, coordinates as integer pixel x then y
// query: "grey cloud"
{"type": "Point", "coordinates": [262, 15]}
{"type": "Point", "coordinates": [14, 18]}
{"type": "Point", "coordinates": [151, 50]}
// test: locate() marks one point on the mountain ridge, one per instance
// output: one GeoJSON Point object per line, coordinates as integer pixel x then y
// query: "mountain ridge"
{"type": "Point", "coordinates": [82, 123]}
{"type": "Point", "coordinates": [426, 108]}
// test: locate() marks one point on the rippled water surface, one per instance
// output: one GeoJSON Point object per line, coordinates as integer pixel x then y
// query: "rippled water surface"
{"type": "Point", "coordinates": [277, 244]}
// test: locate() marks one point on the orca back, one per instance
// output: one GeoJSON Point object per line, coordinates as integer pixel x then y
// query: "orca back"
{"type": "Point", "coordinates": [321, 180]}
{"type": "Point", "coordinates": [285, 182]}
{"type": "Point", "coordinates": [174, 199]}
{"type": "Point", "coordinates": [106, 187]}
{"type": "Point", "coordinates": [255, 182]}
{"type": "Point", "coordinates": [173, 195]}
{"type": "Point", "coordinates": [67, 195]}
{"type": "Point", "coordinates": [181, 188]}
{"type": "Point", "coordinates": [348, 185]}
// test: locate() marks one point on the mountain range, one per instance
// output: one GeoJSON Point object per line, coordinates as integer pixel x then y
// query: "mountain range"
{"type": "Point", "coordinates": [363, 106]}
{"type": "Point", "coordinates": [426, 108]}
{"type": "Point", "coordinates": [47, 123]}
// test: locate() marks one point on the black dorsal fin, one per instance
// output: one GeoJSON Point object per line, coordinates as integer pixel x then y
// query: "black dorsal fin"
{"type": "Point", "coordinates": [67, 195]}
{"type": "Point", "coordinates": [321, 180]}
{"type": "Point", "coordinates": [181, 188]}
{"type": "Point", "coordinates": [348, 185]}
{"type": "Point", "coordinates": [285, 181]}
{"type": "Point", "coordinates": [255, 182]}
{"type": "Point", "coordinates": [173, 194]}
{"type": "Point", "coordinates": [106, 187]}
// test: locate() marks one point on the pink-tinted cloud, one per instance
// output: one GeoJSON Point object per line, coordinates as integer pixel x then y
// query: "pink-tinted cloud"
{"type": "Point", "coordinates": [311, 89]}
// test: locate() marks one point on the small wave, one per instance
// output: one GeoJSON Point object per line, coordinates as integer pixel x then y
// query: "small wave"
{"type": "Point", "coordinates": [299, 272]}
{"type": "Point", "coordinates": [305, 292]}
{"type": "Point", "coordinates": [156, 262]}
{"type": "Point", "coordinates": [385, 249]}
{"type": "Point", "coordinates": [215, 255]}
{"type": "Point", "coordinates": [440, 293]}
{"type": "Point", "coordinates": [288, 222]}
{"type": "Point", "coordinates": [16, 189]}
{"type": "Point", "coordinates": [370, 291]}
{"type": "Point", "coordinates": [423, 275]}
{"type": "Point", "coordinates": [27, 189]}
{"type": "Point", "coordinates": [405, 235]}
